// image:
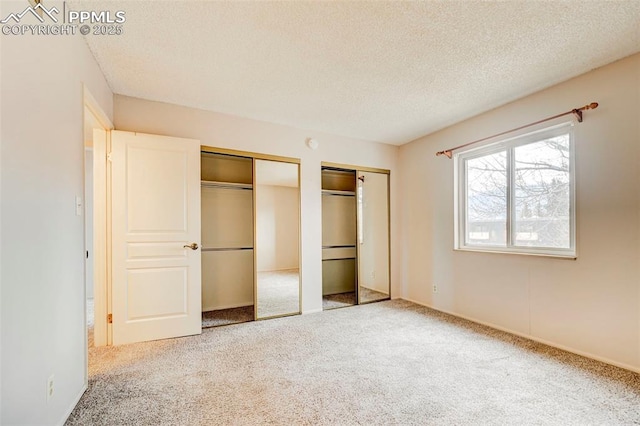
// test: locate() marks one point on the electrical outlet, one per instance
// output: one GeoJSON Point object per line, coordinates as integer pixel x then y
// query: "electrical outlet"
{"type": "Point", "coordinates": [50, 387]}
{"type": "Point", "coordinates": [435, 288]}
{"type": "Point", "coordinates": [373, 275]}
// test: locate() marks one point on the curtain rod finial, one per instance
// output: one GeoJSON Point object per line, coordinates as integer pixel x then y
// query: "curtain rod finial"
{"type": "Point", "coordinates": [592, 105]}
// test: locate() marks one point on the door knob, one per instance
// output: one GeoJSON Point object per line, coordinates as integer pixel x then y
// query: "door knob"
{"type": "Point", "coordinates": [192, 246]}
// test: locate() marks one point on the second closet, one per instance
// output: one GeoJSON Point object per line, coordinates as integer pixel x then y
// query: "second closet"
{"type": "Point", "coordinates": [355, 235]}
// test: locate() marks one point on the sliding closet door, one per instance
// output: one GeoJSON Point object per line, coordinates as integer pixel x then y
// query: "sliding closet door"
{"type": "Point", "coordinates": [277, 243]}
{"type": "Point", "coordinates": [373, 236]}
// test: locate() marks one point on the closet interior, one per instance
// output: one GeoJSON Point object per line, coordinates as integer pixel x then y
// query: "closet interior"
{"type": "Point", "coordinates": [355, 236]}
{"type": "Point", "coordinates": [250, 237]}
{"type": "Point", "coordinates": [227, 239]}
{"type": "Point", "coordinates": [339, 278]}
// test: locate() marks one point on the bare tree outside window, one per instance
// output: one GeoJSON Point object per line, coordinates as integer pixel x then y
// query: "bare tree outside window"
{"type": "Point", "coordinates": [487, 199]}
{"type": "Point", "coordinates": [542, 193]}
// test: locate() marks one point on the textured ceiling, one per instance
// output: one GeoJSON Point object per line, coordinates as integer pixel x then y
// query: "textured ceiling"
{"type": "Point", "coordinates": [382, 71]}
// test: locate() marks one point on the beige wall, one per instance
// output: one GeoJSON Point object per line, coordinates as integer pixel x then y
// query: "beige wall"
{"type": "Point", "coordinates": [226, 131]}
{"type": "Point", "coordinates": [42, 246]}
{"type": "Point", "coordinates": [590, 305]}
{"type": "Point", "coordinates": [277, 217]}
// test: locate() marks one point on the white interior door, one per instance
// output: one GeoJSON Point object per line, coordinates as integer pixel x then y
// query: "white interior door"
{"type": "Point", "coordinates": [156, 278]}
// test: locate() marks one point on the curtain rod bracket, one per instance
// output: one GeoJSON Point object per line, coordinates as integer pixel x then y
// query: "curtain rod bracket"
{"type": "Point", "coordinates": [448, 153]}
{"type": "Point", "coordinates": [577, 112]}
{"type": "Point", "coordinates": [578, 115]}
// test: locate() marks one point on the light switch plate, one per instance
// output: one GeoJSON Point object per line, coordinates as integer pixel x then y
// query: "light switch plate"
{"type": "Point", "coordinates": [79, 206]}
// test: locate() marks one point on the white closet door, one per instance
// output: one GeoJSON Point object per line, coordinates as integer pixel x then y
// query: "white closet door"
{"type": "Point", "coordinates": [155, 214]}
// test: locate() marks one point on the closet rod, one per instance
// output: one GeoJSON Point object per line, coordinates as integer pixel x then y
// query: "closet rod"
{"type": "Point", "coordinates": [332, 247]}
{"type": "Point", "coordinates": [227, 249]}
{"type": "Point", "coordinates": [226, 185]}
{"type": "Point", "coordinates": [338, 258]}
{"type": "Point", "coordinates": [338, 193]}
{"type": "Point", "coordinates": [577, 112]}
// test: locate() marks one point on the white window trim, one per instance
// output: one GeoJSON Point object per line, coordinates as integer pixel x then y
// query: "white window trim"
{"type": "Point", "coordinates": [509, 144]}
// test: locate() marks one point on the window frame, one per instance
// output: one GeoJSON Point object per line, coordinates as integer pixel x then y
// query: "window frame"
{"type": "Point", "coordinates": [509, 145]}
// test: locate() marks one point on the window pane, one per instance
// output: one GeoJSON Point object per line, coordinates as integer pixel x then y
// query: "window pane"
{"type": "Point", "coordinates": [542, 194]}
{"type": "Point", "coordinates": [487, 200]}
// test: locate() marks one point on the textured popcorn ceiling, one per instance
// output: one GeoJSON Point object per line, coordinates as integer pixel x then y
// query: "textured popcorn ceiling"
{"type": "Point", "coordinates": [382, 71]}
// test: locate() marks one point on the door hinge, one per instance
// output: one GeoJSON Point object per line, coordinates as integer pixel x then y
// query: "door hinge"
{"type": "Point", "coordinates": [109, 157]}
{"type": "Point", "coordinates": [110, 318]}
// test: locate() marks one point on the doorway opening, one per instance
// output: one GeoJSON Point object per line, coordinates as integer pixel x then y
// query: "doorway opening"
{"type": "Point", "coordinates": [95, 122]}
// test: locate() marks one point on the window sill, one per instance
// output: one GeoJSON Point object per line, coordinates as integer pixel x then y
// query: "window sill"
{"type": "Point", "coordinates": [567, 256]}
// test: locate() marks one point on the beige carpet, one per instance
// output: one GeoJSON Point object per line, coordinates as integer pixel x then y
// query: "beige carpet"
{"type": "Point", "coordinates": [339, 300]}
{"type": "Point", "coordinates": [227, 316]}
{"type": "Point", "coordinates": [342, 300]}
{"type": "Point", "coordinates": [368, 295]}
{"type": "Point", "coordinates": [387, 363]}
{"type": "Point", "coordinates": [278, 293]}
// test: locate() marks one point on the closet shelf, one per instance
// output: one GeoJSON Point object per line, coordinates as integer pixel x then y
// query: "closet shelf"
{"type": "Point", "coordinates": [339, 193]}
{"type": "Point", "coordinates": [228, 185]}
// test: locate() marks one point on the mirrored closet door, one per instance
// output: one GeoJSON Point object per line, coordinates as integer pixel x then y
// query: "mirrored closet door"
{"type": "Point", "coordinates": [373, 236]}
{"type": "Point", "coordinates": [277, 238]}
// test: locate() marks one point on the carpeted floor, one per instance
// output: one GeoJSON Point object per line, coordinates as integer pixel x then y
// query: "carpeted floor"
{"type": "Point", "coordinates": [387, 363]}
{"type": "Point", "coordinates": [278, 293]}
{"type": "Point", "coordinates": [227, 316]}
{"type": "Point", "coordinates": [340, 300]}
{"type": "Point", "coordinates": [368, 295]}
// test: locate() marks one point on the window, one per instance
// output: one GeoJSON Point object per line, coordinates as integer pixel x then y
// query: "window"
{"type": "Point", "coordinates": [517, 195]}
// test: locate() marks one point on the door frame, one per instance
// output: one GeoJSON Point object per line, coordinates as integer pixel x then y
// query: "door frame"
{"type": "Point", "coordinates": [100, 225]}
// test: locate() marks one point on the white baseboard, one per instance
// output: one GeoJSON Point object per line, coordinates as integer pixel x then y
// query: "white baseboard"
{"type": "Point", "coordinates": [73, 405]}
{"type": "Point", "coordinates": [530, 337]}
{"type": "Point", "coordinates": [312, 311]}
